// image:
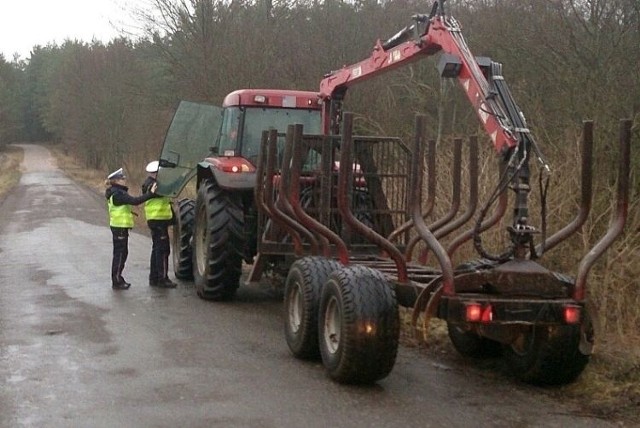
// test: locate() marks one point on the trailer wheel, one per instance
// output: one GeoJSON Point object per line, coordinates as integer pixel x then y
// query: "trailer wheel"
{"type": "Point", "coordinates": [301, 298]}
{"type": "Point", "coordinates": [547, 355]}
{"type": "Point", "coordinates": [181, 239]}
{"type": "Point", "coordinates": [359, 325]}
{"type": "Point", "coordinates": [219, 240]}
{"type": "Point", "coordinates": [472, 345]}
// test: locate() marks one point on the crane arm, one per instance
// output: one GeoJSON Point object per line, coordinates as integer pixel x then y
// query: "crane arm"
{"type": "Point", "coordinates": [484, 86]}
{"type": "Point", "coordinates": [427, 36]}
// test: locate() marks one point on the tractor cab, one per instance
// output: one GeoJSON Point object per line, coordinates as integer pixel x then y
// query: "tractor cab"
{"type": "Point", "coordinates": [225, 141]}
{"type": "Point", "coordinates": [248, 112]}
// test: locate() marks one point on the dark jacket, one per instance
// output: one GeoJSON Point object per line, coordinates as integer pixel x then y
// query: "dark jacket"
{"type": "Point", "coordinates": [122, 197]}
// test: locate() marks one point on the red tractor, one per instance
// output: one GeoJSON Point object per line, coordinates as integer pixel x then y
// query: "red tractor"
{"type": "Point", "coordinates": [343, 214]}
{"type": "Point", "coordinates": [218, 231]}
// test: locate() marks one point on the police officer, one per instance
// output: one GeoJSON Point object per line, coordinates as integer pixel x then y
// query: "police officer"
{"type": "Point", "coordinates": [159, 217]}
{"type": "Point", "coordinates": [119, 203]}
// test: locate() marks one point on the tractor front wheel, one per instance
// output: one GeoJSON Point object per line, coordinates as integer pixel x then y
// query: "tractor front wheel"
{"type": "Point", "coordinates": [219, 240]}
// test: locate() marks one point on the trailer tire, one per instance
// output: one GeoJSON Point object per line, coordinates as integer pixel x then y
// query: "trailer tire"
{"type": "Point", "coordinates": [182, 239]}
{"type": "Point", "coordinates": [218, 242]}
{"type": "Point", "coordinates": [472, 345]}
{"type": "Point", "coordinates": [359, 325]}
{"type": "Point", "coordinates": [547, 355]}
{"type": "Point", "coordinates": [303, 285]}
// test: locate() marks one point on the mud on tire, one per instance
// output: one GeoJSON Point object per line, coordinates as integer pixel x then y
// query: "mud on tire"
{"type": "Point", "coordinates": [218, 242]}
{"type": "Point", "coordinates": [181, 239]}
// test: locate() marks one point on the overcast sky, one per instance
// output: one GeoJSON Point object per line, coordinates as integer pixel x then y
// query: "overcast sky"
{"type": "Point", "coordinates": [26, 23]}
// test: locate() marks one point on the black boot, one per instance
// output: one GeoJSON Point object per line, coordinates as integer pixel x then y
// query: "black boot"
{"type": "Point", "coordinates": [121, 285]}
{"type": "Point", "coordinates": [165, 283]}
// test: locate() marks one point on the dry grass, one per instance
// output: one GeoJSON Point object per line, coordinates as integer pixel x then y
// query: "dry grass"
{"type": "Point", "coordinates": [89, 177]}
{"type": "Point", "coordinates": [10, 159]}
{"type": "Point", "coordinates": [610, 386]}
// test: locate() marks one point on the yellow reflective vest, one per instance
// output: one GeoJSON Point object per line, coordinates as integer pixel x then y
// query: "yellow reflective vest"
{"type": "Point", "coordinates": [120, 215]}
{"type": "Point", "coordinates": [158, 208]}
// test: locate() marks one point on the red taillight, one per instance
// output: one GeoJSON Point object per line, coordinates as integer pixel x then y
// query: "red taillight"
{"type": "Point", "coordinates": [572, 314]}
{"type": "Point", "coordinates": [234, 165]}
{"type": "Point", "coordinates": [487, 314]}
{"type": "Point", "coordinates": [475, 312]}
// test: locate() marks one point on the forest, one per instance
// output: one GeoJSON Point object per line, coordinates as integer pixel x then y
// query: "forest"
{"type": "Point", "coordinates": [109, 104]}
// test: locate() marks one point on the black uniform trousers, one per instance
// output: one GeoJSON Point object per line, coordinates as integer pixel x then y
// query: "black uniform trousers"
{"type": "Point", "coordinates": [120, 253]}
{"type": "Point", "coordinates": [160, 250]}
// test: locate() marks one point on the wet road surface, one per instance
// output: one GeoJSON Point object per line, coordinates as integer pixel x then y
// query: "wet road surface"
{"type": "Point", "coordinates": [75, 353]}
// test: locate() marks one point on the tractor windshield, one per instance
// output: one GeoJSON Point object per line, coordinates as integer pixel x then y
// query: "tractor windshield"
{"type": "Point", "coordinates": [242, 127]}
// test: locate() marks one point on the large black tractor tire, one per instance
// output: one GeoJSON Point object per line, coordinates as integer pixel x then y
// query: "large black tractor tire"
{"type": "Point", "coordinates": [301, 299]}
{"type": "Point", "coordinates": [359, 325]}
{"type": "Point", "coordinates": [472, 345]}
{"type": "Point", "coordinates": [182, 239]}
{"type": "Point", "coordinates": [547, 355]}
{"type": "Point", "coordinates": [218, 242]}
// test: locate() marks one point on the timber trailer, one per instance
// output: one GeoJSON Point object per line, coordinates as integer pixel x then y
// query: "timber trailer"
{"type": "Point", "coordinates": [343, 215]}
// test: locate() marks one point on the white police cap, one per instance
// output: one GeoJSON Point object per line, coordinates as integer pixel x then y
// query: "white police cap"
{"type": "Point", "coordinates": [118, 173]}
{"type": "Point", "coordinates": [153, 166]}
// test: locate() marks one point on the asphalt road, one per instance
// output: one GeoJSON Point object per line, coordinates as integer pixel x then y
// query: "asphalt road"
{"type": "Point", "coordinates": [75, 353]}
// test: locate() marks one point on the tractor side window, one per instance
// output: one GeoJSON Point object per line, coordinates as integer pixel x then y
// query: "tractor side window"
{"type": "Point", "coordinates": [228, 142]}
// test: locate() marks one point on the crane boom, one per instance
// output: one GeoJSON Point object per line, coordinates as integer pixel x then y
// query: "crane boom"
{"type": "Point", "coordinates": [427, 36]}
{"type": "Point", "coordinates": [484, 86]}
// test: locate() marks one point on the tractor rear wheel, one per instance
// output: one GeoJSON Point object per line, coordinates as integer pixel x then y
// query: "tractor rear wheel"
{"type": "Point", "coordinates": [301, 298]}
{"type": "Point", "coordinates": [547, 355]}
{"type": "Point", "coordinates": [472, 345]}
{"type": "Point", "coordinates": [359, 325]}
{"type": "Point", "coordinates": [182, 234]}
{"type": "Point", "coordinates": [219, 240]}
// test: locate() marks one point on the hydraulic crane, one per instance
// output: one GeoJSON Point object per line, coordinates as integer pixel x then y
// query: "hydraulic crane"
{"type": "Point", "coordinates": [486, 90]}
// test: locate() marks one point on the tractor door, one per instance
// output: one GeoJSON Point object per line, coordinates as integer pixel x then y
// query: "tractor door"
{"type": "Point", "coordinates": [190, 138]}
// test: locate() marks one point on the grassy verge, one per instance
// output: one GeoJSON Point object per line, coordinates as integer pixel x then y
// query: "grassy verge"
{"type": "Point", "coordinates": [10, 159]}
{"type": "Point", "coordinates": [88, 177]}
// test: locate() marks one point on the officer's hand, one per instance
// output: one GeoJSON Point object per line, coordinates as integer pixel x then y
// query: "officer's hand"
{"type": "Point", "coordinates": [154, 187]}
